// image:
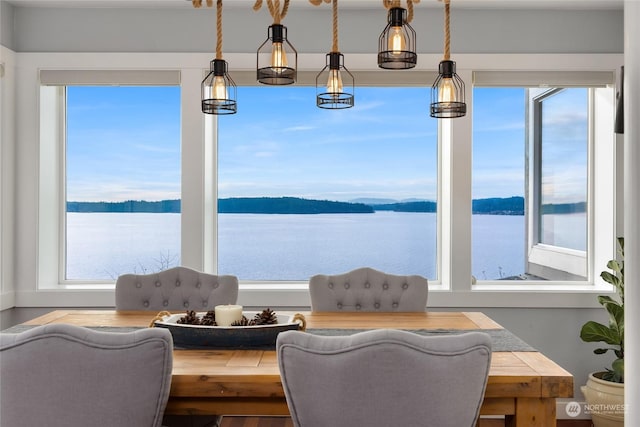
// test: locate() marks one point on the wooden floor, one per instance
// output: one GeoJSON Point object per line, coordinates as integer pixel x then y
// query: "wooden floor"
{"type": "Point", "coordinates": [286, 422]}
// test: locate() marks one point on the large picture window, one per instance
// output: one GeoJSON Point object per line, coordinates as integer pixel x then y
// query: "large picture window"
{"type": "Point", "coordinates": [133, 178]}
{"type": "Point", "coordinates": [303, 191]}
{"type": "Point", "coordinates": [122, 180]}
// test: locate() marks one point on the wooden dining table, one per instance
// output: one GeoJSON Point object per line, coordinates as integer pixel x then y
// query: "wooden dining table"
{"type": "Point", "coordinates": [522, 385]}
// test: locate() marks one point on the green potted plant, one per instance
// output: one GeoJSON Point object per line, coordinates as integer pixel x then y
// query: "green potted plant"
{"type": "Point", "coordinates": [604, 390]}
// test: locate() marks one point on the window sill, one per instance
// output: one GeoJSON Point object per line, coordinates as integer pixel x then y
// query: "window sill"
{"type": "Point", "coordinates": [295, 296]}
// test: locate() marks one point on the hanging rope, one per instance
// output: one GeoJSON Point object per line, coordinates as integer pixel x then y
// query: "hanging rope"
{"type": "Point", "coordinates": [274, 9]}
{"type": "Point", "coordinates": [447, 37]}
{"type": "Point", "coordinates": [198, 3]}
{"type": "Point", "coordinates": [219, 29]}
{"type": "Point", "coordinates": [389, 4]}
{"type": "Point", "coordinates": [334, 48]}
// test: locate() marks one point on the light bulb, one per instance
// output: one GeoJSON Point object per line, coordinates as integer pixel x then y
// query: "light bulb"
{"type": "Point", "coordinates": [397, 42]}
{"type": "Point", "coordinates": [278, 56]}
{"type": "Point", "coordinates": [219, 88]}
{"type": "Point", "coordinates": [334, 84]}
{"type": "Point", "coordinates": [446, 90]}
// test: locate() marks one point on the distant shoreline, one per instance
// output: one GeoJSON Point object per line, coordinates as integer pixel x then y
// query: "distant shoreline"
{"type": "Point", "coordinates": [296, 205]}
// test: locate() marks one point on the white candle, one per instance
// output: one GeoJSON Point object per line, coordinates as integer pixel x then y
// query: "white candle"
{"type": "Point", "coordinates": [227, 314]}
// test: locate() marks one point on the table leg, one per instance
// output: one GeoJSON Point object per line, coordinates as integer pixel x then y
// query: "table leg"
{"type": "Point", "coordinates": [533, 412]}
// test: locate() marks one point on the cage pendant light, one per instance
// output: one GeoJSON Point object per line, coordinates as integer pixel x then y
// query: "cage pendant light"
{"type": "Point", "coordinates": [397, 43]}
{"type": "Point", "coordinates": [447, 92]}
{"type": "Point", "coordinates": [334, 84]}
{"type": "Point", "coordinates": [277, 59]}
{"type": "Point", "coordinates": [219, 92]}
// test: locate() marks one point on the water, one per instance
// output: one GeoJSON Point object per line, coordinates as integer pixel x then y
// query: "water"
{"type": "Point", "coordinates": [295, 247]}
{"type": "Point", "coordinates": [288, 247]}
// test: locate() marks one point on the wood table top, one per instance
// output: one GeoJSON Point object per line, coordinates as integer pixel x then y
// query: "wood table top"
{"type": "Point", "coordinates": [254, 373]}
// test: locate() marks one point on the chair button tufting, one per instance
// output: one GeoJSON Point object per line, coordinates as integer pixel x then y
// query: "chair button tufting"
{"type": "Point", "coordinates": [340, 305]}
{"type": "Point", "coordinates": [367, 285]}
{"type": "Point", "coordinates": [347, 286]}
{"type": "Point", "coordinates": [165, 303]}
{"type": "Point", "coordinates": [358, 306]}
{"type": "Point", "coordinates": [186, 304]}
{"type": "Point", "coordinates": [146, 303]}
{"type": "Point", "coordinates": [158, 284]}
{"type": "Point", "coordinates": [177, 283]}
{"type": "Point", "coordinates": [376, 305]}
{"type": "Point", "coordinates": [198, 285]}
{"type": "Point", "coordinates": [205, 303]}
{"type": "Point", "coordinates": [138, 285]}
{"type": "Point", "coordinates": [405, 286]}
{"type": "Point", "coordinates": [385, 286]}
{"type": "Point", "coordinates": [215, 285]}
{"type": "Point", "coordinates": [330, 285]}
{"type": "Point", "coordinates": [395, 305]}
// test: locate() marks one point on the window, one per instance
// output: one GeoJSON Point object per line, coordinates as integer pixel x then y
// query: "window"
{"type": "Point", "coordinates": [562, 135]}
{"type": "Point", "coordinates": [560, 171]}
{"type": "Point", "coordinates": [532, 169]}
{"type": "Point", "coordinates": [121, 157]}
{"type": "Point", "coordinates": [280, 151]}
{"type": "Point", "coordinates": [122, 180]}
{"type": "Point", "coordinates": [303, 191]}
{"type": "Point", "coordinates": [498, 225]}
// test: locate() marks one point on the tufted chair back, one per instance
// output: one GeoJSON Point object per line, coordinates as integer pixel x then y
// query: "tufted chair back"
{"type": "Point", "coordinates": [177, 289]}
{"type": "Point", "coordinates": [62, 375]}
{"type": "Point", "coordinates": [366, 289]}
{"type": "Point", "coordinates": [383, 378]}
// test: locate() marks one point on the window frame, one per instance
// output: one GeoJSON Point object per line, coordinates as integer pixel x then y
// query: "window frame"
{"type": "Point", "coordinates": [455, 289]}
{"type": "Point", "coordinates": [365, 78]}
{"type": "Point", "coordinates": [551, 260]}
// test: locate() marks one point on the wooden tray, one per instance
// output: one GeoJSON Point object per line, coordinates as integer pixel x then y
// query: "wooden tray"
{"type": "Point", "coordinates": [228, 337]}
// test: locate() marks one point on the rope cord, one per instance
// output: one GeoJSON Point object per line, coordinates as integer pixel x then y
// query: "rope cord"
{"type": "Point", "coordinates": [334, 46]}
{"type": "Point", "coordinates": [274, 9]}
{"type": "Point", "coordinates": [198, 3]}
{"type": "Point", "coordinates": [390, 4]}
{"type": "Point", "coordinates": [160, 316]}
{"type": "Point", "coordinates": [447, 37]}
{"type": "Point", "coordinates": [219, 29]}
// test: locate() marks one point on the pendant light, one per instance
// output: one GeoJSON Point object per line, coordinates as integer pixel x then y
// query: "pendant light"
{"type": "Point", "coordinates": [276, 54]}
{"type": "Point", "coordinates": [334, 84]}
{"type": "Point", "coordinates": [447, 92]}
{"type": "Point", "coordinates": [218, 89]}
{"type": "Point", "coordinates": [397, 43]}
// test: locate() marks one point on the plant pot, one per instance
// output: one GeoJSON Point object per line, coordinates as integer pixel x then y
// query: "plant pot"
{"type": "Point", "coordinates": [605, 401]}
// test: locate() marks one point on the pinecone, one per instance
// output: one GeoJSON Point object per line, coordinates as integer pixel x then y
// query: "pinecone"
{"type": "Point", "coordinates": [267, 317]}
{"type": "Point", "coordinates": [209, 319]}
{"type": "Point", "coordinates": [190, 318]}
{"type": "Point", "coordinates": [243, 322]}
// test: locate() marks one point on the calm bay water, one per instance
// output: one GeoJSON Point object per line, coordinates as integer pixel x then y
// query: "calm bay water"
{"type": "Point", "coordinates": [288, 247]}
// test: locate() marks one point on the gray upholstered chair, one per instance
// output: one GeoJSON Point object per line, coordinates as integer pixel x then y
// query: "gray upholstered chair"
{"type": "Point", "coordinates": [63, 375]}
{"type": "Point", "coordinates": [366, 289]}
{"type": "Point", "coordinates": [175, 289]}
{"type": "Point", "coordinates": [383, 378]}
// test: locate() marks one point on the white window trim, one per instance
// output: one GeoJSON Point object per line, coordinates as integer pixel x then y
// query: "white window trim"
{"type": "Point", "coordinates": [38, 288]}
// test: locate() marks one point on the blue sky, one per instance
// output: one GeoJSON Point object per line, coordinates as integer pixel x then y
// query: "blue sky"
{"type": "Point", "coordinates": [124, 143]}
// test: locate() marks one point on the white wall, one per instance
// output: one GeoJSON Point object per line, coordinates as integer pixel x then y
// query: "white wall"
{"type": "Point", "coordinates": [7, 177]}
